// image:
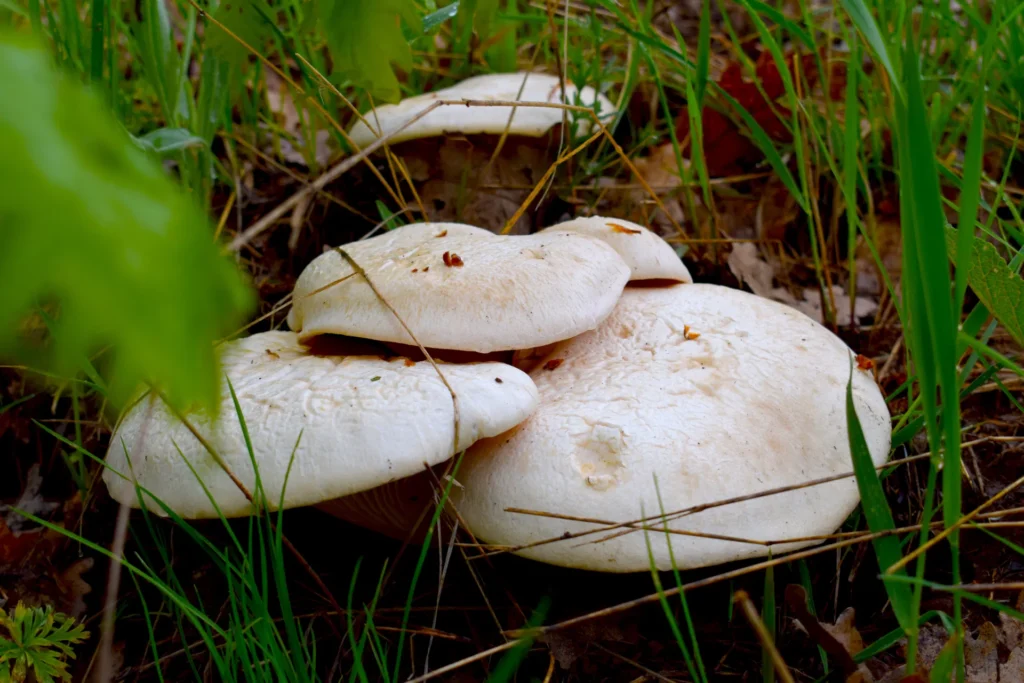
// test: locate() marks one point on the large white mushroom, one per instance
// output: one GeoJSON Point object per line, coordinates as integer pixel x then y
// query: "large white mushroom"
{"type": "Point", "coordinates": [718, 393]}
{"type": "Point", "coordinates": [460, 287]}
{"type": "Point", "coordinates": [353, 422]}
{"type": "Point", "coordinates": [449, 150]}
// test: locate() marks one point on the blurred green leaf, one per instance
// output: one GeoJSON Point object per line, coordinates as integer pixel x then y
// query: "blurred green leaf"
{"type": "Point", "coordinates": [474, 15]}
{"type": "Point", "coordinates": [942, 669]}
{"type": "Point", "coordinates": [92, 229]}
{"type": "Point", "coordinates": [163, 141]}
{"type": "Point", "coordinates": [438, 17]}
{"type": "Point", "coordinates": [998, 287]}
{"type": "Point", "coordinates": [365, 38]}
{"type": "Point", "coordinates": [248, 20]}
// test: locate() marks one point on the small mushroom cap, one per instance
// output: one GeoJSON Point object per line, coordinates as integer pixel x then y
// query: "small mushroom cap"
{"type": "Point", "coordinates": [460, 287]}
{"type": "Point", "coordinates": [719, 393]}
{"type": "Point", "coordinates": [527, 121]}
{"type": "Point", "coordinates": [364, 421]}
{"type": "Point", "coordinates": [648, 256]}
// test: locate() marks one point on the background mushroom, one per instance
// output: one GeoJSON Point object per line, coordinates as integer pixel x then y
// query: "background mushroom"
{"type": "Point", "coordinates": [462, 288]}
{"type": "Point", "coordinates": [363, 420]}
{"type": "Point", "coordinates": [719, 394]}
{"type": "Point", "coordinates": [450, 151]}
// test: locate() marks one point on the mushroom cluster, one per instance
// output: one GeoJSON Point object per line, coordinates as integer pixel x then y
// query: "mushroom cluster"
{"type": "Point", "coordinates": [591, 384]}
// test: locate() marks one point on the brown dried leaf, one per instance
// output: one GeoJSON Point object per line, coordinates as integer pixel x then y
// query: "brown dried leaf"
{"type": "Point", "coordinates": [841, 640]}
{"type": "Point", "coordinates": [746, 264]}
{"type": "Point", "coordinates": [73, 587]}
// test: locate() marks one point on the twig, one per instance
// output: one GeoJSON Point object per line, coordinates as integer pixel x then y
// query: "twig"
{"type": "Point", "coordinates": [750, 612]}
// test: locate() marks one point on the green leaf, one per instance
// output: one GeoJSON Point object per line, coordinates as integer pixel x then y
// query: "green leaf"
{"type": "Point", "coordinates": [995, 283]}
{"type": "Point", "coordinates": [164, 141]}
{"type": "Point", "coordinates": [876, 509]}
{"type": "Point", "coordinates": [475, 15]}
{"type": "Point", "coordinates": [93, 229]}
{"type": "Point", "coordinates": [365, 38]}
{"type": "Point", "coordinates": [249, 20]}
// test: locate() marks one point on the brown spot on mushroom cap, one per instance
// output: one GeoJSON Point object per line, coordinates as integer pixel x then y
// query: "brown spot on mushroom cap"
{"type": "Point", "coordinates": [623, 229]}
{"type": "Point", "coordinates": [443, 233]}
{"type": "Point", "coordinates": [553, 363]}
{"type": "Point", "coordinates": [505, 300]}
{"type": "Point", "coordinates": [865, 363]}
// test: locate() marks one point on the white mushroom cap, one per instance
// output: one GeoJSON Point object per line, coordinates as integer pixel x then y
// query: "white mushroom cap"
{"type": "Point", "coordinates": [646, 254]}
{"type": "Point", "coordinates": [363, 420]}
{"type": "Point", "coordinates": [717, 392]}
{"type": "Point", "coordinates": [510, 292]}
{"type": "Point", "coordinates": [527, 121]}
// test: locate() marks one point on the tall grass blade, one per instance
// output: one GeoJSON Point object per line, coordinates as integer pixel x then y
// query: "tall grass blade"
{"type": "Point", "coordinates": [928, 292]}
{"type": "Point", "coordinates": [862, 18]}
{"type": "Point", "coordinates": [970, 193]}
{"type": "Point", "coordinates": [876, 510]}
{"type": "Point", "coordinates": [508, 664]}
{"type": "Point", "coordinates": [768, 617]}
{"type": "Point", "coordinates": [703, 53]}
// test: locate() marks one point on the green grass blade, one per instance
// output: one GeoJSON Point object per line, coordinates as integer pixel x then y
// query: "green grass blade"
{"type": "Point", "coordinates": [876, 510]}
{"type": "Point", "coordinates": [508, 664]}
{"type": "Point", "coordinates": [865, 23]}
{"type": "Point", "coordinates": [769, 618]}
{"type": "Point", "coordinates": [970, 193]}
{"type": "Point", "coordinates": [703, 53]}
{"type": "Point", "coordinates": [942, 669]}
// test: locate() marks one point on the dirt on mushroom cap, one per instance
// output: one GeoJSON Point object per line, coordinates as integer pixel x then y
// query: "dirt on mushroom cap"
{"type": "Point", "coordinates": [510, 292]}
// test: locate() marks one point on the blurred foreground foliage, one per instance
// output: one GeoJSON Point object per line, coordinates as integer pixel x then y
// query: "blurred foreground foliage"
{"type": "Point", "coordinates": [99, 247]}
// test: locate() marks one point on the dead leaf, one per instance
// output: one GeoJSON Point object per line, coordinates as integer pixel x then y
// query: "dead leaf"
{"type": "Point", "coordinates": [569, 645]}
{"type": "Point", "coordinates": [981, 655]}
{"type": "Point", "coordinates": [982, 652]}
{"type": "Point", "coordinates": [30, 502]}
{"type": "Point", "coordinates": [777, 209]}
{"type": "Point", "coordinates": [726, 150]}
{"type": "Point", "coordinates": [73, 587]}
{"type": "Point", "coordinates": [841, 640]}
{"type": "Point", "coordinates": [280, 102]}
{"type": "Point", "coordinates": [746, 264]}
{"type": "Point", "coordinates": [660, 171]}
{"type": "Point", "coordinates": [1012, 671]}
